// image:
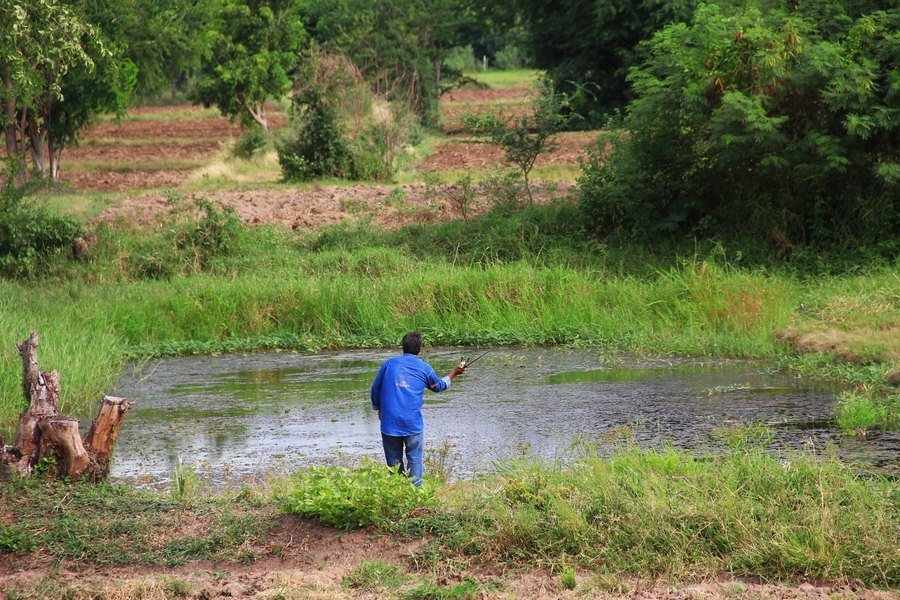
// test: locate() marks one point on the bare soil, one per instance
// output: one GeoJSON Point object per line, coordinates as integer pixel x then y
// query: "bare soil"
{"type": "Point", "coordinates": [303, 559]}
{"type": "Point", "coordinates": [458, 153]}
{"type": "Point", "coordinates": [312, 207]}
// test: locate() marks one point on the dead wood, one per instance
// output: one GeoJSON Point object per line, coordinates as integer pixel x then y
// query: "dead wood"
{"type": "Point", "coordinates": [44, 434]}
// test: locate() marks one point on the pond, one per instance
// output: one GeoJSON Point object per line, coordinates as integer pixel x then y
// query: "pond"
{"type": "Point", "coordinates": [242, 417]}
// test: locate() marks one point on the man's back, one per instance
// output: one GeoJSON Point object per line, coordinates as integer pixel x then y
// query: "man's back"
{"type": "Point", "coordinates": [398, 392]}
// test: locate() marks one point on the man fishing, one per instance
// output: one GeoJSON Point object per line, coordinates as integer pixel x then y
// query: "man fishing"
{"type": "Point", "coordinates": [397, 395]}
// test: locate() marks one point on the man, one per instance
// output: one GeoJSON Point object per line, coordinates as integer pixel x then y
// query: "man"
{"type": "Point", "coordinates": [397, 395]}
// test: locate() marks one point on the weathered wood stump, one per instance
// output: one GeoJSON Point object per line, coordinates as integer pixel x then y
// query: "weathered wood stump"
{"type": "Point", "coordinates": [44, 434]}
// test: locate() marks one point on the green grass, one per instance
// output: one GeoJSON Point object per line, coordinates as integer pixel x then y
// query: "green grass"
{"type": "Point", "coordinates": [114, 524]}
{"type": "Point", "coordinates": [513, 78]}
{"type": "Point", "coordinates": [374, 574]}
{"type": "Point", "coordinates": [669, 514]}
{"type": "Point", "coordinates": [858, 412]}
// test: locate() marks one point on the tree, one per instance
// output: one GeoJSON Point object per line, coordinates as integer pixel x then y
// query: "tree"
{"type": "Point", "coordinates": [525, 137]}
{"type": "Point", "coordinates": [756, 123]}
{"type": "Point", "coordinates": [253, 45]}
{"type": "Point", "coordinates": [40, 42]}
{"type": "Point", "coordinates": [588, 46]}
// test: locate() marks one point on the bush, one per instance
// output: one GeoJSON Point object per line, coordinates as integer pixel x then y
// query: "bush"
{"type": "Point", "coordinates": [756, 123]}
{"type": "Point", "coordinates": [316, 146]}
{"type": "Point", "coordinates": [187, 245]}
{"type": "Point", "coordinates": [369, 495]}
{"type": "Point", "coordinates": [251, 142]}
{"type": "Point", "coordinates": [28, 234]}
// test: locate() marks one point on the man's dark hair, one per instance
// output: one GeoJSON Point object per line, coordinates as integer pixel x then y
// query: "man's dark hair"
{"type": "Point", "coordinates": [412, 343]}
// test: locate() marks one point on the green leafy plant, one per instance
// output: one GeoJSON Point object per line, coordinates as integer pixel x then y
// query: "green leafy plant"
{"type": "Point", "coordinates": [251, 143]}
{"type": "Point", "coordinates": [29, 235]}
{"type": "Point", "coordinates": [316, 146]}
{"type": "Point", "coordinates": [765, 123]}
{"type": "Point", "coordinates": [371, 494]}
{"type": "Point", "coordinates": [527, 136]}
{"type": "Point", "coordinates": [374, 574]}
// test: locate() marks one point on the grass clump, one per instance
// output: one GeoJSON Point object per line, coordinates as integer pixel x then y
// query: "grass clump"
{"type": "Point", "coordinates": [371, 494]}
{"type": "Point", "coordinates": [857, 412]}
{"type": "Point", "coordinates": [374, 574]}
{"type": "Point", "coordinates": [667, 513]}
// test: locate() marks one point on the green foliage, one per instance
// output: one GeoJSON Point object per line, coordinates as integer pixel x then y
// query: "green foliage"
{"type": "Point", "coordinates": [667, 513]}
{"type": "Point", "coordinates": [857, 412]}
{"type": "Point", "coordinates": [192, 241]}
{"type": "Point", "coordinates": [369, 495]}
{"type": "Point", "coordinates": [374, 574]}
{"type": "Point", "coordinates": [316, 146]}
{"type": "Point", "coordinates": [15, 539]}
{"type": "Point", "coordinates": [465, 590]}
{"type": "Point", "coordinates": [525, 137]}
{"type": "Point", "coordinates": [252, 46]}
{"type": "Point", "coordinates": [251, 143]}
{"type": "Point", "coordinates": [752, 123]}
{"type": "Point", "coordinates": [587, 47]}
{"type": "Point", "coordinates": [28, 234]}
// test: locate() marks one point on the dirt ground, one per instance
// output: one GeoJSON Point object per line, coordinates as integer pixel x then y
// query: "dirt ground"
{"type": "Point", "coordinates": [312, 207]}
{"type": "Point", "coordinates": [307, 560]}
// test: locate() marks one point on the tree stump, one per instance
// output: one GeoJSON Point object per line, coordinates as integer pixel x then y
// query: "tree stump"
{"type": "Point", "coordinates": [44, 434]}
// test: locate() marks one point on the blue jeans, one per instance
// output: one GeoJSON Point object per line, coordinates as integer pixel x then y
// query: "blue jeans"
{"type": "Point", "coordinates": [393, 454]}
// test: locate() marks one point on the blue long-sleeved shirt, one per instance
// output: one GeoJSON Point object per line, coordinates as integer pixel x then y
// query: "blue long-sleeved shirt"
{"type": "Point", "coordinates": [399, 390]}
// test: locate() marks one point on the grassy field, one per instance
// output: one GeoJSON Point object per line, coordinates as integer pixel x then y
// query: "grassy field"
{"type": "Point", "coordinates": [186, 281]}
{"type": "Point", "coordinates": [599, 526]}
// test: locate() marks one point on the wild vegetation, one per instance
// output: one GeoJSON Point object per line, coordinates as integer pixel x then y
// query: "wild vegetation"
{"type": "Point", "coordinates": [740, 202]}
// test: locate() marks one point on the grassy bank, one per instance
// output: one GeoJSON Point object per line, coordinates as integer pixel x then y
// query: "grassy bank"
{"type": "Point", "coordinates": [502, 279]}
{"type": "Point", "coordinates": [597, 524]}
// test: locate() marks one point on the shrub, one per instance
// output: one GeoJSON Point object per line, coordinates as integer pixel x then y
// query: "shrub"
{"type": "Point", "coordinates": [369, 495]}
{"type": "Point", "coordinates": [777, 125]}
{"type": "Point", "coordinates": [316, 146]}
{"type": "Point", "coordinates": [29, 234]}
{"type": "Point", "coordinates": [251, 142]}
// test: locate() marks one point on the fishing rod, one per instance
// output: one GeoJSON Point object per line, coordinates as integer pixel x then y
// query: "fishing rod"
{"type": "Point", "coordinates": [465, 362]}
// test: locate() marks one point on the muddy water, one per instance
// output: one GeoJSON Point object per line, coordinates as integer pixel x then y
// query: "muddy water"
{"type": "Point", "coordinates": [241, 417]}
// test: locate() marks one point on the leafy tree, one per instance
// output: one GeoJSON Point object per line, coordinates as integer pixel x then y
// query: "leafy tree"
{"type": "Point", "coordinates": [253, 46]}
{"type": "Point", "coordinates": [756, 123]}
{"type": "Point", "coordinates": [40, 42]}
{"type": "Point", "coordinates": [587, 46]}
{"type": "Point", "coordinates": [399, 45]}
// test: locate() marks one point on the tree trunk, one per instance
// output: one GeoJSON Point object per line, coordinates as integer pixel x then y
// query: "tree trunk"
{"type": "Point", "coordinates": [105, 431]}
{"type": "Point", "coordinates": [43, 433]}
{"type": "Point", "coordinates": [12, 146]}
{"type": "Point", "coordinates": [37, 146]}
{"type": "Point", "coordinates": [61, 439]}
{"type": "Point", "coordinates": [55, 153]}
{"type": "Point", "coordinates": [437, 76]}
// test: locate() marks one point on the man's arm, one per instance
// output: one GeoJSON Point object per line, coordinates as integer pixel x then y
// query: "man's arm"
{"type": "Point", "coordinates": [439, 385]}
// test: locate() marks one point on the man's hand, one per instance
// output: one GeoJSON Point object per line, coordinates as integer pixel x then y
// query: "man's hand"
{"type": "Point", "coordinates": [457, 371]}
{"type": "Point", "coordinates": [379, 414]}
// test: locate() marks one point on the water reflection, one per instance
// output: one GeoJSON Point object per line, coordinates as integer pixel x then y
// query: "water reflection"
{"type": "Point", "coordinates": [236, 414]}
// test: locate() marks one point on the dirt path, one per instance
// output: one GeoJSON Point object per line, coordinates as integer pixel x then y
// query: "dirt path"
{"type": "Point", "coordinates": [306, 560]}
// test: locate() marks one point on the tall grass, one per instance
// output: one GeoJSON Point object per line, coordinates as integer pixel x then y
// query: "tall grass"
{"type": "Point", "coordinates": [507, 278]}
{"type": "Point", "coordinates": [668, 513]}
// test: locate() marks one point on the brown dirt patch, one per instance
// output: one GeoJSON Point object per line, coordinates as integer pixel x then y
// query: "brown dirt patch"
{"type": "Point", "coordinates": [121, 181]}
{"type": "Point", "coordinates": [135, 153]}
{"type": "Point", "coordinates": [852, 346]}
{"type": "Point", "coordinates": [459, 154]}
{"type": "Point", "coordinates": [308, 208]}
{"type": "Point", "coordinates": [487, 95]}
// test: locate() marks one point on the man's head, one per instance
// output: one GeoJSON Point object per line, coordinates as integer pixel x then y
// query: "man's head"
{"type": "Point", "coordinates": [412, 343]}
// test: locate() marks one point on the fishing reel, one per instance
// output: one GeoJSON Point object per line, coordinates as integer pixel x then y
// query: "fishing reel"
{"type": "Point", "coordinates": [464, 362]}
